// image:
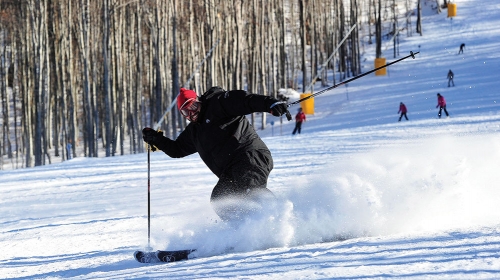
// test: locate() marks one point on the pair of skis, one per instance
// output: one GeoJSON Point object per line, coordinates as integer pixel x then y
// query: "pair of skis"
{"type": "Point", "coordinates": [162, 256]}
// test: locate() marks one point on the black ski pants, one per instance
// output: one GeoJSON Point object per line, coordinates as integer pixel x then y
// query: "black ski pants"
{"type": "Point", "coordinates": [298, 127]}
{"type": "Point", "coordinates": [442, 108]}
{"type": "Point", "coordinates": [243, 181]}
{"type": "Point", "coordinates": [403, 114]}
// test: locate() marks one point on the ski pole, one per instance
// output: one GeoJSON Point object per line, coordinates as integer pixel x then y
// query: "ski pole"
{"type": "Point", "coordinates": [352, 79]}
{"type": "Point", "coordinates": [149, 198]}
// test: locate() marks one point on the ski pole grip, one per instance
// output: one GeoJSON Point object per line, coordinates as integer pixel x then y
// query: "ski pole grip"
{"type": "Point", "coordinates": [288, 115]}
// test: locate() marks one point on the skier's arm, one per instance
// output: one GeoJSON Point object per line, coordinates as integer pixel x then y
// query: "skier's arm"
{"type": "Point", "coordinates": [181, 147]}
{"type": "Point", "coordinates": [240, 102]}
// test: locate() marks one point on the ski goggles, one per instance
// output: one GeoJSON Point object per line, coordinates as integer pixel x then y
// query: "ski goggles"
{"type": "Point", "coordinates": [190, 109]}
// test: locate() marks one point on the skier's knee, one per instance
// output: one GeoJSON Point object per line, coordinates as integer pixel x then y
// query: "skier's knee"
{"type": "Point", "coordinates": [242, 205]}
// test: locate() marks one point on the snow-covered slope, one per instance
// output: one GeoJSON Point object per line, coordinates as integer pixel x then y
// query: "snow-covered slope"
{"type": "Point", "coordinates": [412, 199]}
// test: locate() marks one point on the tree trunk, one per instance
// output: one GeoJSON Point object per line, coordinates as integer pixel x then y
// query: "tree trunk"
{"type": "Point", "coordinates": [89, 135]}
{"type": "Point", "coordinates": [302, 12]}
{"type": "Point", "coordinates": [106, 82]}
{"type": "Point", "coordinates": [419, 17]}
{"type": "Point", "coordinates": [378, 30]}
{"type": "Point", "coordinates": [175, 72]}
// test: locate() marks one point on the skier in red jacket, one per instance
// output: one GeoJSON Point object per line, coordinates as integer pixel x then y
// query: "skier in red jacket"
{"type": "Point", "coordinates": [403, 110]}
{"type": "Point", "coordinates": [442, 105]}
{"type": "Point", "coordinates": [299, 119]}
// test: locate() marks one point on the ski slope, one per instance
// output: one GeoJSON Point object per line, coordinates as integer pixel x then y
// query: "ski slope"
{"type": "Point", "coordinates": [360, 195]}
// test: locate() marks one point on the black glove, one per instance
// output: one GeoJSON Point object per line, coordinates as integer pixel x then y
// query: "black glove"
{"type": "Point", "coordinates": [150, 135]}
{"type": "Point", "coordinates": [279, 108]}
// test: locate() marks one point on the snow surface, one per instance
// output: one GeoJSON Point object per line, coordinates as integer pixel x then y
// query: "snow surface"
{"type": "Point", "coordinates": [360, 195]}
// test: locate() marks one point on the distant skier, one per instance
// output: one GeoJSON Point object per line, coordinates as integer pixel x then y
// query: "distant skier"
{"type": "Point", "coordinates": [228, 144]}
{"type": "Point", "coordinates": [442, 105]}
{"type": "Point", "coordinates": [462, 47]}
{"type": "Point", "coordinates": [402, 110]}
{"type": "Point", "coordinates": [69, 149]}
{"type": "Point", "coordinates": [450, 78]}
{"type": "Point", "coordinates": [299, 119]}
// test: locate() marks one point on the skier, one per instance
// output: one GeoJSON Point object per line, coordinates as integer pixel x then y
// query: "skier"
{"type": "Point", "coordinates": [69, 148]}
{"type": "Point", "coordinates": [462, 47]}
{"type": "Point", "coordinates": [403, 110]}
{"type": "Point", "coordinates": [442, 105]}
{"type": "Point", "coordinates": [299, 119]}
{"type": "Point", "coordinates": [227, 143]}
{"type": "Point", "coordinates": [450, 78]}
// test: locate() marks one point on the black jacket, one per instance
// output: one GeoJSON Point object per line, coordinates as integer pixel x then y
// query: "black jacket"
{"type": "Point", "coordinates": [222, 131]}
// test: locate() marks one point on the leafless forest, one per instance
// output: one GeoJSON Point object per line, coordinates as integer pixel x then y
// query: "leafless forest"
{"type": "Point", "coordinates": [93, 73]}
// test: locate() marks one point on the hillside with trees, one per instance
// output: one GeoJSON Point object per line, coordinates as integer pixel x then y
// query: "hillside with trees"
{"type": "Point", "coordinates": [94, 73]}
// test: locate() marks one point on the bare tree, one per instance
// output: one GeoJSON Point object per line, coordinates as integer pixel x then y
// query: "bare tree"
{"type": "Point", "coordinates": [302, 12]}
{"type": "Point", "coordinates": [378, 29]}
{"type": "Point", "coordinates": [108, 120]}
{"type": "Point", "coordinates": [419, 17]}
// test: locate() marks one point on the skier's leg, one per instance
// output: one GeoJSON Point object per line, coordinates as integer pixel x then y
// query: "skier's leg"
{"type": "Point", "coordinates": [225, 197]}
{"type": "Point", "coordinates": [446, 112]}
{"type": "Point", "coordinates": [241, 190]}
